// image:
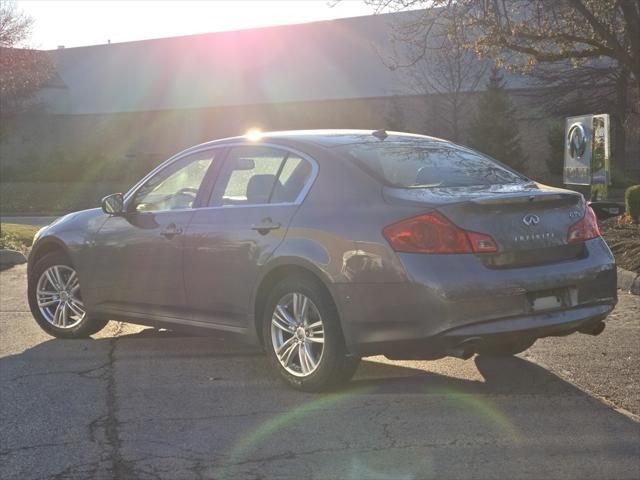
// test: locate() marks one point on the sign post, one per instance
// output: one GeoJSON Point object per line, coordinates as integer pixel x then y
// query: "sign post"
{"type": "Point", "coordinates": [586, 153]}
{"type": "Point", "coordinates": [587, 160]}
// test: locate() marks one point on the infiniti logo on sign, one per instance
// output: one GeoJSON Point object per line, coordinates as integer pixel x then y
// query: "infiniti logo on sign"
{"type": "Point", "coordinates": [530, 220]}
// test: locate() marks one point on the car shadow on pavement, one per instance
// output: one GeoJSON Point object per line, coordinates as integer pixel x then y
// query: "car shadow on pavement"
{"type": "Point", "coordinates": [170, 405]}
{"type": "Point", "coordinates": [512, 375]}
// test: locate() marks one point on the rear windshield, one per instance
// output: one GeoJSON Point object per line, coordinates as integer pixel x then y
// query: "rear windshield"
{"type": "Point", "coordinates": [423, 164]}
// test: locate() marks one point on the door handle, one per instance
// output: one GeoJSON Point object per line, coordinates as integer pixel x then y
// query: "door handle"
{"type": "Point", "coordinates": [171, 230]}
{"type": "Point", "coordinates": [266, 226]}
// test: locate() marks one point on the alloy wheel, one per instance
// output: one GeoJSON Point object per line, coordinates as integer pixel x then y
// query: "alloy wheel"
{"type": "Point", "coordinates": [297, 334]}
{"type": "Point", "coordinates": [58, 296]}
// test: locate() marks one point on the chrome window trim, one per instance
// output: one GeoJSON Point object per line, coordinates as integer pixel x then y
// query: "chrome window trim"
{"type": "Point", "coordinates": [185, 153]}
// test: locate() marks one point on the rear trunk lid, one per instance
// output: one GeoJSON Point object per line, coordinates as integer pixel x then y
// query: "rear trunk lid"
{"type": "Point", "coordinates": [528, 221]}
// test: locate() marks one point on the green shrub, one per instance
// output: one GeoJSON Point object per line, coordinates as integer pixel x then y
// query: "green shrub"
{"type": "Point", "coordinates": [632, 201]}
{"type": "Point", "coordinates": [17, 237]}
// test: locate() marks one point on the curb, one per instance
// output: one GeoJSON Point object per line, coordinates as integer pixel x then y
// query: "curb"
{"type": "Point", "coordinates": [11, 257]}
{"type": "Point", "coordinates": [629, 281]}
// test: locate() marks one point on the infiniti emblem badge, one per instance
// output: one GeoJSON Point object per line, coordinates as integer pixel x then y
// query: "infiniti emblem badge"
{"type": "Point", "coordinates": [531, 219]}
{"type": "Point", "coordinates": [577, 141]}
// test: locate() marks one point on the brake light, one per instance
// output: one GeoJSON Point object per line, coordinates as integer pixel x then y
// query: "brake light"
{"type": "Point", "coordinates": [584, 229]}
{"type": "Point", "coordinates": [434, 233]}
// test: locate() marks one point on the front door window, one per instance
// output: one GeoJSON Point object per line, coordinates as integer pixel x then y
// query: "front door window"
{"type": "Point", "coordinates": [176, 187]}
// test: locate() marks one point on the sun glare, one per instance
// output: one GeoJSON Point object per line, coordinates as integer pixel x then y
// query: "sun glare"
{"type": "Point", "coordinates": [253, 134]}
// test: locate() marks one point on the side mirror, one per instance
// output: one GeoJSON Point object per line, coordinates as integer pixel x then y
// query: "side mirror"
{"type": "Point", "coordinates": [113, 204]}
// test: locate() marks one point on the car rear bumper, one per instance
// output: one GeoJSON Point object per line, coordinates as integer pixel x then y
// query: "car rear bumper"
{"type": "Point", "coordinates": [453, 297]}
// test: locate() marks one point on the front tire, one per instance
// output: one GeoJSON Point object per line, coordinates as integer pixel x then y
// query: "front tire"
{"type": "Point", "coordinates": [303, 338]}
{"type": "Point", "coordinates": [55, 299]}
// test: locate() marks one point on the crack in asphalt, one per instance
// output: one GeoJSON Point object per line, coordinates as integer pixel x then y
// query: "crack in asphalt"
{"type": "Point", "coordinates": [83, 373]}
{"type": "Point", "coordinates": [119, 467]}
{"type": "Point", "coordinates": [104, 430]}
{"type": "Point", "coordinates": [9, 451]}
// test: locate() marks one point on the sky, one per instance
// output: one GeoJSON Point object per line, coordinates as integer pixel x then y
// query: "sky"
{"type": "Point", "coordinates": [75, 23]}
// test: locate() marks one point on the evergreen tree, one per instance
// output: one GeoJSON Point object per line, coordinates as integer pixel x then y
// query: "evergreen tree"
{"type": "Point", "coordinates": [494, 130]}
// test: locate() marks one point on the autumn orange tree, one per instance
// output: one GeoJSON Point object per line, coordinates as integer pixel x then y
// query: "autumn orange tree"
{"type": "Point", "coordinates": [22, 70]}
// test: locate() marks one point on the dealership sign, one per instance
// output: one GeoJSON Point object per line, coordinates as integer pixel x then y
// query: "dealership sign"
{"type": "Point", "coordinates": [586, 150]}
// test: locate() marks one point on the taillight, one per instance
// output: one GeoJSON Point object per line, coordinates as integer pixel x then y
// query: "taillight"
{"type": "Point", "coordinates": [584, 229]}
{"type": "Point", "coordinates": [482, 243]}
{"type": "Point", "coordinates": [434, 233]}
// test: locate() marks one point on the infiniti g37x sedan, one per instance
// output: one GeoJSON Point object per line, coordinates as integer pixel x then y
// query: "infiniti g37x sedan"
{"type": "Point", "coordinates": [327, 246]}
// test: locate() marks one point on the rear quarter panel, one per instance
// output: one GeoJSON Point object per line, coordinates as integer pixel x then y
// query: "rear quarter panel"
{"type": "Point", "coordinates": [337, 234]}
{"type": "Point", "coordinates": [338, 228]}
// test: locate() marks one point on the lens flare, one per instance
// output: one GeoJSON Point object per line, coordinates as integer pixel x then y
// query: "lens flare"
{"type": "Point", "coordinates": [474, 407]}
{"type": "Point", "coordinates": [253, 134]}
{"type": "Point", "coordinates": [242, 448]}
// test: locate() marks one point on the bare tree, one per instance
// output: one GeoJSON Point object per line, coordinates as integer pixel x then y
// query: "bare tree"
{"type": "Point", "coordinates": [447, 69]}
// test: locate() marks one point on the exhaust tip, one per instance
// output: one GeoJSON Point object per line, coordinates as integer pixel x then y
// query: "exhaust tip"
{"type": "Point", "coordinates": [594, 330]}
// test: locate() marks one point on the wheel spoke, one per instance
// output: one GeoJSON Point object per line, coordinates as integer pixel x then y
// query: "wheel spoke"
{"type": "Point", "coordinates": [286, 350]}
{"type": "Point", "coordinates": [315, 326]}
{"type": "Point", "coordinates": [52, 280]}
{"type": "Point", "coordinates": [64, 314]}
{"type": "Point", "coordinates": [302, 357]}
{"type": "Point", "coordinates": [309, 355]}
{"type": "Point", "coordinates": [300, 307]}
{"type": "Point", "coordinates": [316, 333]}
{"type": "Point", "coordinates": [282, 320]}
{"type": "Point", "coordinates": [46, 298]}
{"type": "Point", "coordinates": [58, 276]}
{"type": "Point", "coordinates": [304, 310]}
{"type": "Point", "coordinates": [56, 315]}
{"type": "Point", "coordinates": [47, 303]}
{"type": "Point", "coordinates": [296, 300]}
{"type": "Point", "coordinates": [76, 307]}
{"type": "Point", "coordinates": [71, 280]}
{"type": "Point", "coordinates": [46, 292]}
{"type": "Point", "coordinates": [78, 302]}
{"type": "Point", "coordinates": [284, 346]}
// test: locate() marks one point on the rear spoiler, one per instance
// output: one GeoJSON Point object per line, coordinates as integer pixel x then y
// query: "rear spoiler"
{"type": "Point", "coordinates": [561, 198]}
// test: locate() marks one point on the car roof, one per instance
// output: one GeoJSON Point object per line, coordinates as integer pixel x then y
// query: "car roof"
{"type": "Point", "coordinates": [322, 138]}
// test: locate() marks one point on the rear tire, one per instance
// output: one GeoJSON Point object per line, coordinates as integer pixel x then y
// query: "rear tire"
{"type": "Point", "coordinates": [55, 300]}
{"type": "Point", "coordinates": [301, 323]}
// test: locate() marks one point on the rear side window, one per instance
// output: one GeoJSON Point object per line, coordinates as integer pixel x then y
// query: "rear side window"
{"type": "Point", "coordinates": [424, 164]}
{"type": "Point", "coordinates": [292, 180]}
{"type": "Point", "coordinates": [260, 175]}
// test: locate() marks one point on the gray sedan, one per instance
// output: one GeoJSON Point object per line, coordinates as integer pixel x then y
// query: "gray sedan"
{"type": "Point", "coordinates": [327, 246]}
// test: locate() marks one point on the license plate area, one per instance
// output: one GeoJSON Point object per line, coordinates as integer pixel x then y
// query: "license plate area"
{"type": "Point", "coordinates": [552, 299]}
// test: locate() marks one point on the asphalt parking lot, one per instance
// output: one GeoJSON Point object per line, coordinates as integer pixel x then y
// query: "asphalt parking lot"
{"type": "Point", "coordinates": [148, 404]}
